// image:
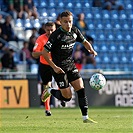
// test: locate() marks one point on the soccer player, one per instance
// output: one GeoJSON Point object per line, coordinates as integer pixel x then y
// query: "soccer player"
{"type": "Point", "coordinates": [60, 44]}
{"type": "Point", "coordinates": [44, 68]}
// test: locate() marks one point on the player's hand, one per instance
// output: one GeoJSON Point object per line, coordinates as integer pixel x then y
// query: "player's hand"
{"type": "Point", "coordinates": [58, 70]}
{"type": "Point", "coordinates": [93, 52]}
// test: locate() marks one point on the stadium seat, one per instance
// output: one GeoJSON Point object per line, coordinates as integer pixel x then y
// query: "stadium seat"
{"type": "Point", "coordinates": [121, 48]}
{"type": "Point", "coordinates": [106, 14]}
{"type": "Point", "coordinates": [43, 4]}
{"type": "Point", "coordinates": [36, 23]}
{"type": "Point", "coordinates": [130, 48]}
{"type": "Point", "coordinates": [114, 59]}
{"type": "Point", "coordinates": [113, 48]}
{"type": "Point", "coordinates": [28, 24]}
{"type": "Point", "coordinates": [114, 14]}
{"type": "Point", "coordinates": [51, 4]}
{"type": "Point", "coordinates": [43, 13]}
{"type": "Point", "coordinates": [36, 3]}
{"type": "Point", "coordinates": [104, 48]}
{"type": "Point", "coordinates": [19, 23]}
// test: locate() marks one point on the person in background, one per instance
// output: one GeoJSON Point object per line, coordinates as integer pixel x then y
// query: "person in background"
{"type": "Point", "coordinates": [30, 9]}
{"type": "Point", "coordinates": [57, 21]}
{"type": "Point", "coordinates": [41, 29]}
{"type": "Point", "coordinates": [82, 26]}
{"type": "Point", "coordinates": [15, 9]}
{"type": "Point", "coordinates": [7, 30]}
{"type": "Point", "coordinates": [26, 55]}
{"type": "Point", "coordinates": [113, 5]}
{"type": "Point", "coordinates": [7, 60]}
{"type": "Point", "coordinates": [60, 44]}
{"type": "Point", "coordinates": [78, 57]}
{"type": "Point", "coordinates": [44, 68]}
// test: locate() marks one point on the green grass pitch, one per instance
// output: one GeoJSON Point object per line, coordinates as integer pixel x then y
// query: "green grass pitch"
{"type": "Point", "coordinates": [66, 120]}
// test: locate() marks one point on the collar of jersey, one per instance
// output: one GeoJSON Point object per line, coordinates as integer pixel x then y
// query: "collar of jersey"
{"type": "Point", "coordinates": [63, 29]}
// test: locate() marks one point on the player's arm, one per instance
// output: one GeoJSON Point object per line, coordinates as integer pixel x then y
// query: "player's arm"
{"type": "Point", "coordinates": [89, 47]}
{"type": "Point", "coordinates": [50, 62]}
{"type": "Point", "coordinates": [36, 54]}
{"type": "Point", "coordinates": [37, 50]}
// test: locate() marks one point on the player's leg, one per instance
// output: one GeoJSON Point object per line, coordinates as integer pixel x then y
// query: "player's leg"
{"type": "Point", "coordinates": [47, 107]}
{"type": "Point", "coordinates": [46, 76]}
{"type": "Point", "coordinates": [78, 85]}
{"type": "Point", "coordinates": [64, 93]}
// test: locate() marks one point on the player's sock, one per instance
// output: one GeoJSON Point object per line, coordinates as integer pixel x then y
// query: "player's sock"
{"type": "Point", "coordinates": [57, 94]}
{"type": "Point", "coordinates": [47, 104]}
{"type": "Point", "coordinates": [83, 103]}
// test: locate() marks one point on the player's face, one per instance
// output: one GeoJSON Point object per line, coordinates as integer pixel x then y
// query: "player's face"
{"type": "Point", "coordinates": [66, 23]}
{"type": "Point", "coordinates": [49, 30]}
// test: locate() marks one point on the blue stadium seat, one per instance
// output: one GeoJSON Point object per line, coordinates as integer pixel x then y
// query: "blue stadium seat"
{"type": "Point", "coordinates": [122, 48]}
{"type": "Point", "coordinates": [130, 48]}
{"type": "Point", "coordinates": [122, 14]}
{"type": "Point", "coordinates": [107, 24]}
{"type": "Point", "coordinates": [28, 24]}
{"type": "Point", "coordinates": [109, 35]}
{"type": "Point", "coordinates": [114, 14]}
{"type": "Point", "coordinates": [43, 12]}
{"type": "Point", "coordinates": [104, 48]}
{"type": "Point", "coordinates": [19, 23]}
{"type": "Point", "coordinates": [106, 59]}
{"type": "Point", "coordinates": [36, 23]}
{"type": "Point", "coordinates": [119, 36]}
{"type": "Point", "coordinates": [105, 14]}
{"type": "Point", "coordinates": [114, 59]}
{"type": "Point", "coordinates": [43, 4]}
{"type": "Point", "coordinates": [36, 3]}
{"type": "Point", "coordinates": [113, 48]}
{"type": "Point", "coordinates": [51, 3]}
{"type": "Point", "coordinates": [88, 15]}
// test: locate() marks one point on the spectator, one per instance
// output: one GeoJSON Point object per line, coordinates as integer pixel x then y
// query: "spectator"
{"type": "Point", "coordinates": [26, 55]}
{"type": "Point", "coordinates": [30, 9]}
{"type": "Point", "coordinates": [7, 61]}
{"type": "Point", "coordinates": [15, 9]}
{"type": "Point", "coordinates": [88, 58]}
{"type": "Point", "coordinates": [34, 32]}
{"type": "Point", "coordinates": [42, 29]}
{"type": "Point", "coordinates": [32, 39]}
{"type": "Point", "coordinates": [57, 22]}
{"type": "Point", "coordinates": [7, 30]}
{"type": "Point", "coordinates": [78, 57]}
{"type": "Point", "coordinates": [97, 3]}
{"type": "Point", "coordinates": [113, 5]}
{"type": "Point", "coordinates": [82, 26]}
{"type": "Point", "coordinates": [2, 43]}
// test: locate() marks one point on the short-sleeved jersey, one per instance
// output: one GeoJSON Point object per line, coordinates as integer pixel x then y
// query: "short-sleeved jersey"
{"type": "Point", "coordinates": [39, 46]}
{"type": "Point", "coordinates": [61, 44]}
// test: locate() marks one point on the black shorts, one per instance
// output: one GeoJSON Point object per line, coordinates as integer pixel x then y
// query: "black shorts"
{"type": "Point", "coordinates": [63, 80]}
{"type": "Point", "coordinates": [45, 72]}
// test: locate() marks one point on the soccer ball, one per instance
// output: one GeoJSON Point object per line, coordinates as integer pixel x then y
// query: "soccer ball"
{"type": "Point", "coordinates": [97, 81]}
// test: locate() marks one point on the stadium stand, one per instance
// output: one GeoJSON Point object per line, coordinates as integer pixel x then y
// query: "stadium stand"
{"type": "Point", "coordinates": [112, 30]}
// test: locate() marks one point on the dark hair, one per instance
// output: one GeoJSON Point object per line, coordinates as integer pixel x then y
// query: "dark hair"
{"type": "Point", "coordinates": [49, 24]}
{"type": "Point", "coordinates": [66, 14]}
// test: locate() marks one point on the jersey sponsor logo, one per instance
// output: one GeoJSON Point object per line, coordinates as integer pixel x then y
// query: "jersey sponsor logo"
{"type": "Point", "coordinates": [67, 46]}
{"type": "Point", "coordinates": [36, 44]}
{"type": "Point", "coordinates": [61, 84]}
{"type": "Point", "coordinates": [75, 71]}
{"type": "Point", "coordinates": [74, 35]}
{"type": "Point", "coordinates": [49, 45]}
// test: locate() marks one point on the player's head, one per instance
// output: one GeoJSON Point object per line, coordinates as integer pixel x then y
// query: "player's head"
{"type": "Point", "coordinates": [66, 20]}
{"type": "Point", "coordinates": [49, 28]}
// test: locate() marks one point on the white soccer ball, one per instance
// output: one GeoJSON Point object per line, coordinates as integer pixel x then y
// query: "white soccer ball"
{"type": "Point", "coordinates": [97, 81]}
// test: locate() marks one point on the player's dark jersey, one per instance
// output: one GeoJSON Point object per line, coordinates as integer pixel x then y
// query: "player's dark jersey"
{"type": "Point", "coordinates": [61, 44]}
